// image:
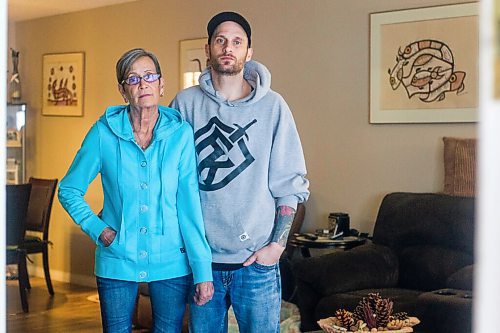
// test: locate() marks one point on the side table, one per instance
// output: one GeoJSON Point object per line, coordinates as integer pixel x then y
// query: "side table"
{"type": "Point", "coordinates": [344, 243]}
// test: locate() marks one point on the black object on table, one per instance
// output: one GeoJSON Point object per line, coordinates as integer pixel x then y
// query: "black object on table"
{"type": "Point", "coordinates": [344, 243]}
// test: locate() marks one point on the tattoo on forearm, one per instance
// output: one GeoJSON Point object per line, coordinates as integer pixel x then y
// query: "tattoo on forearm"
{"type": "Point", "coordinates": [284, 219]}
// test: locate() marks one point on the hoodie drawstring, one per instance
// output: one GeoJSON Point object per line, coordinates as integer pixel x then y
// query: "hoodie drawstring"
{"type": "Point", "coordinates": [121, 232]}
{"type": "Point", "coordinates": [162, 191]}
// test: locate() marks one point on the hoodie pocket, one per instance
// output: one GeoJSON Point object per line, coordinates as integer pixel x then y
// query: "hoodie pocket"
{"type": "Point", "coordinates": [114, 250]}
{"type": "Point", "coordinates": [225, 228]}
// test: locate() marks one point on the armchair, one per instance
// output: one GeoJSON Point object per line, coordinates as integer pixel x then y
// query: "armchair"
{"type": "Point", "coordinates": [421, 257]}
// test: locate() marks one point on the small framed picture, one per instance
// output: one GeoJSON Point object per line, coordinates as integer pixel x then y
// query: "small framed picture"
{"type": "Point", "coordinates": [192, 61]}
{"type": "Point", "coordinates": [13, 137]}
{"type": "Point", "coordinates": [63, 80]}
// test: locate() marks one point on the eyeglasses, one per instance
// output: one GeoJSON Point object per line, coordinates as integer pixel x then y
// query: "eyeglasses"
{"type": "Point", "coordinates": [135, 79]}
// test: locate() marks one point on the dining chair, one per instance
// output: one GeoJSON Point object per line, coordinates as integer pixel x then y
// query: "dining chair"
{"type": "Point", "coordinates": [37, 221]}
{"type": "Point", "coordinates": [17, 200]}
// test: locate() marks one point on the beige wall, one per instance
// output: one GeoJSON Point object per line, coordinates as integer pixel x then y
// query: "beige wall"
{"type": "Point", "coordinates": [318, 54]}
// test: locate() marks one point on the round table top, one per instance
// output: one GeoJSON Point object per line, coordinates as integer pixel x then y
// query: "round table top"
{"type": "Point", "coordinates": [326, 242]}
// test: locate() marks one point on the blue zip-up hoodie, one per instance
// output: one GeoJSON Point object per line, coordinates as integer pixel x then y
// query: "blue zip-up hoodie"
{"type": "Point", "coordinates": [151, 199]}
{"type": "Point", "coordinates": [250, 161]}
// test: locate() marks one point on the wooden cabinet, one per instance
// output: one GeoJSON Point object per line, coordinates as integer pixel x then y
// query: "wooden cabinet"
{"type": "Point", "coordinates": [16, 144]}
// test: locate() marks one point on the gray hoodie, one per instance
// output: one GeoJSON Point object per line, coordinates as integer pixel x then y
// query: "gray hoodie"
{"type": "Point", "coordinates": [250, 161]}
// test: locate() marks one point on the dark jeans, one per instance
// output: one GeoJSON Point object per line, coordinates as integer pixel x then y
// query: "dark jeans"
{"type": "Point", "coordinates": [255, 294]}
{"type": "Point", "coordinates": [168, 302]}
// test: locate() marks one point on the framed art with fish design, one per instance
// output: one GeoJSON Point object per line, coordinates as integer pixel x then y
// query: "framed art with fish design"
{"type": "Point", "coordinates": [62, 85]}
{"type": "Point", "coordinates": [424, 65]}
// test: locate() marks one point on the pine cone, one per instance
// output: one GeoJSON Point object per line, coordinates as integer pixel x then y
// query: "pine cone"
{"type": "Point", "coordinates": [399, 315]}
{"type": "Point", "coordinates": [383, 310]}
{"type": "Point", "coordinates": [374, 310]}
{"type": "Point", "coordinates": [373, 299]}
{"type": "Point", "coordinates": [358, 312]}
{"type": "Point", "coordinates": [345, 317]}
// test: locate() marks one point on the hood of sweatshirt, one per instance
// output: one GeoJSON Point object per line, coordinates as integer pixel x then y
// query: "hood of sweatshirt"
{"type": "Point", "coordinates": [257, 75]}
{"type": "Point", "coordinates": [116, 117]}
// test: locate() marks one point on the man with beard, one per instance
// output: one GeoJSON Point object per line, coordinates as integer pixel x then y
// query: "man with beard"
{"type": "Point", "coordinates": [251, 175]}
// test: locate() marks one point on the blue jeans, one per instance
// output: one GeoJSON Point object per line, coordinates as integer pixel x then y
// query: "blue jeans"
{"type": "Point", "coordinates": [168, 302]}
{"type": "Point", "coordinates": [255, 294]}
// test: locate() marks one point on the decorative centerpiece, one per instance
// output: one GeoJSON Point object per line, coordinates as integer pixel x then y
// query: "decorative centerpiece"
{"type": "Point", "coordinates": [372, 314]}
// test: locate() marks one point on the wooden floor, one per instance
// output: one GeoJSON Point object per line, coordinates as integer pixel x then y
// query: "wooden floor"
{"type": "Point", "coordinates": [67, 311]}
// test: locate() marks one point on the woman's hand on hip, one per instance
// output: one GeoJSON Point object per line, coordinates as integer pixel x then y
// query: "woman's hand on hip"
{"type": "Point", "coordinates": [107, 236]}
{"type": "Point", "coordinates": [203, 292]}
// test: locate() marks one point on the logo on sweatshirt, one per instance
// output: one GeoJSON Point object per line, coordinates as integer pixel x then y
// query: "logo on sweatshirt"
{"type": "Point", "coordinates": [222, 153]}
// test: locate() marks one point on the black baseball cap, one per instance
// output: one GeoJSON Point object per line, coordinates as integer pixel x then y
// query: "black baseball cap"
{"type": "Point", "coordinates": [229, 16]}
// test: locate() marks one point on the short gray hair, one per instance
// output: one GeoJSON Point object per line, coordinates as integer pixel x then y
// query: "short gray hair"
{"type": "Point", "coordinates": [127, 60]}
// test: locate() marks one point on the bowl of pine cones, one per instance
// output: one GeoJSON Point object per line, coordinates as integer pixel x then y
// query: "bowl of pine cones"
{"type": "Point", "coordinates": [372, 314]}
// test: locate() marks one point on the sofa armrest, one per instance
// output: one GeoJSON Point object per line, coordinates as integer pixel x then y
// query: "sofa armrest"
{"type": "Point", "coordinates": [365, 266]}
{"type": "Point", "coordinates": [462, 279]}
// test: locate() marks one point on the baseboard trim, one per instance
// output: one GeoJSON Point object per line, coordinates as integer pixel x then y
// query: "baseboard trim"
{"type": "Point", "coordinates": [55, 275]}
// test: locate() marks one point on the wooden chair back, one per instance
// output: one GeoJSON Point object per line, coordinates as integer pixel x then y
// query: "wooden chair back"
{"type": "Point", "coordinates": [40, 205]}
{"type": "Point", "coordinates": [17, 200]}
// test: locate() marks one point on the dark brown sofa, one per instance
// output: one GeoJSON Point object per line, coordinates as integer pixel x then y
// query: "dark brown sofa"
{"type": "Point", "coordinates": [421, 257]}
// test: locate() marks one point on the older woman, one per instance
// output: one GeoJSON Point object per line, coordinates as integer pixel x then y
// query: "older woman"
{"type": "Point", "coordinates": [151, 228]}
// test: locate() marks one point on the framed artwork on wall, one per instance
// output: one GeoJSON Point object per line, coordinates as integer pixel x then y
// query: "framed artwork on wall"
{"type": "Point", "coordinates": [13, 138]}
{"type": "Point", "coordinates": [424, 65]}
{"type": "Point", "coordinates": [62, 85]}
{"type": "Point", "coordinates": [192, 61]}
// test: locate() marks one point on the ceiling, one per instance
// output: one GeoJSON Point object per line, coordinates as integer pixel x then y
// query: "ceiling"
{"type": "Point", "coordinates": [21, 10]}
